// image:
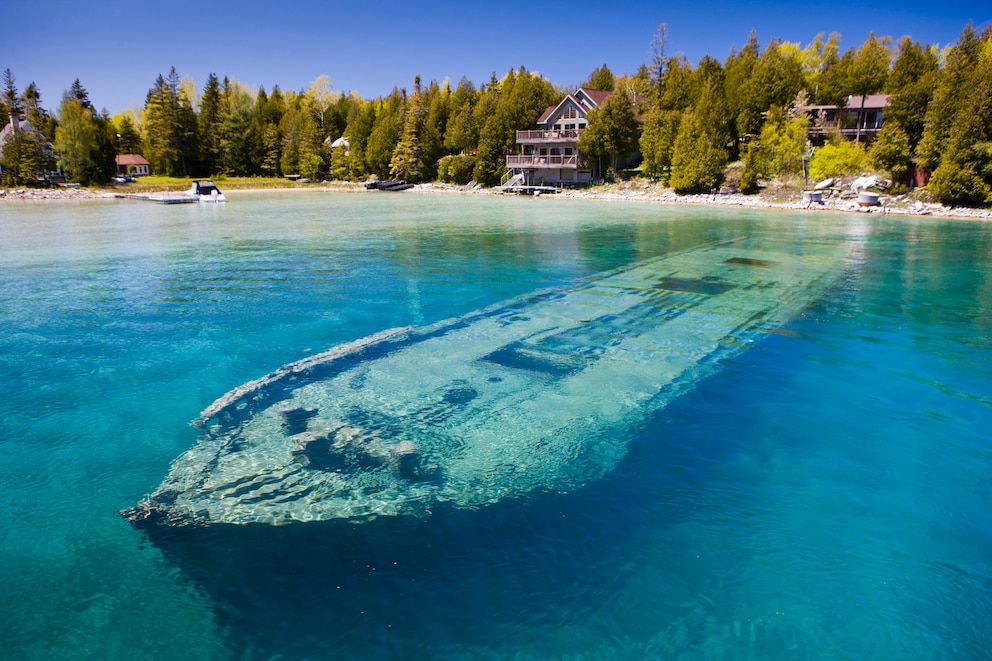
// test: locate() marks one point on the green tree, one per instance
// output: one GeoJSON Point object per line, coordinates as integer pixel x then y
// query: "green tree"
{"type": "Point", "coordinates": [869, 72]}
{"type": "Point", "coordinates": [385, 134]}
{"type": "Point", "coordinates": [890, 151]}
{"type": "Point", "coordinates": [406, 161]}
{"type": "Point", "coordinates": [911, 83]}
{"type": "Point", "coordinates": [657, 140]}
{"type": "Point", "coordinates": [949, 98]}
{"type": "Point", "coordinates": [23, 157]}
{"type": "Point", "coordinates": [461, 133]}
{"type": "Point", "coordinates": [818, 58]}
{"type": "Point", "coordinates": [240, 133]}
{"type": "Point", "coordinates": [303, 141]}
{"type": "Point", "coordinates": [601, 79]}
{"type": "Point", "coordinates": [775, 80]}
{"type": "Point", "coordinates": [749, 176]}
{"type": "Point", "coordinates": [435, 128]}
{"type": "Point", "coordinates": [170, 127]}
{"type": "Point", "coordinates": [209, 125]}
{"type": "Point", "coordinates": [359, 130]}
{"type": "Point", "coordinates": [696, 161]}
{"type": "Point", "coordinates": [782, 144]}
{"type": "Point", "coordinates": [611, 132]}
{"type": "Point", "coordinates": [266, 135]}
{"type": "Point", "coordinates": [36, 116]}
{"type": "Point", "coordinates": [9, 99]}
{"type": "Point", "coordinates": [964, 175]}
{"type": "Point", "coordinates": [75, 140]}
{"type": "Point", "coordinates": [128, 138]}
{"type": "Point", "coordinates": [699, 153]}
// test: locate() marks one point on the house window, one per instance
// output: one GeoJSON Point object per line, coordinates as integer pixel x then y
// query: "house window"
{"type": "Point", "coordinates": [568, 151]}
{"type": "Point", "coordinates": [569, 127]}
{"type": "Point", "coordinates": [570, 113]}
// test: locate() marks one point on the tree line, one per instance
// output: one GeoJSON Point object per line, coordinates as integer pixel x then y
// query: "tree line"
{"type": "Point", "coordinates": [686, 122]}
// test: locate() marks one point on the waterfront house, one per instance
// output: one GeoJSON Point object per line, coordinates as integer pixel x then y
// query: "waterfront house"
{"type": "Point", "coordinates": [134, 165]}
{"type": "Point", "coordinates": [860, 118]}
{"type": "Point", "coordinates": [24, 128]}
{"type": "Point", "coordinates": [549, 154]}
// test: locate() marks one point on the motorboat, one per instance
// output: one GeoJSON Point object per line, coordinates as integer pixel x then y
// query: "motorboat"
{"type": "Point", "coordinates": [541, 393]}
{"type": "Point", "coordinates": [206, 191]}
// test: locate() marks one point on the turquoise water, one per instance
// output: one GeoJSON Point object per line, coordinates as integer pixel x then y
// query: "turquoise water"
{"type": "Point", "coordinates": [823, 495]}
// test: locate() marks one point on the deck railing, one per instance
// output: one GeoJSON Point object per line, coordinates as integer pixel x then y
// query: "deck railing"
{"type": "Point", "coordinates": [524, 137]}
{"type": "Point", "coordinates": [529, 161]}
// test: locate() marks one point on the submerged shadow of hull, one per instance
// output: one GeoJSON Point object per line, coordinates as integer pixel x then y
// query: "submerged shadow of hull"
{"type": "Point", "coordinates": [401, 587]}
{"type": "Point", "coordinates": [444, 587]}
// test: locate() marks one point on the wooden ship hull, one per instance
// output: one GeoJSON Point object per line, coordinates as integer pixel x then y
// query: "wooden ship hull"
{"type": "Point", "coordinates": [539, 393]}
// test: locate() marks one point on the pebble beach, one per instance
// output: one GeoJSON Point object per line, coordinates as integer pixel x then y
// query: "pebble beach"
{"type": "Point", "coordinates": [634, 191]}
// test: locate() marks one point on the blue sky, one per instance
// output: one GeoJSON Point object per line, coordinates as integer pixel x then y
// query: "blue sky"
{"type": "Point", "coordinates": [118, 49]}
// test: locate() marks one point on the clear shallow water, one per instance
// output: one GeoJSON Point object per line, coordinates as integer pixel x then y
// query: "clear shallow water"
{"type": "Point", "coordinates": [825, 495]}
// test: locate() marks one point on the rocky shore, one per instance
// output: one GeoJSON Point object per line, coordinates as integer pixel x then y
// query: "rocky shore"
{"type": "Point", "coordinates": [624, 192]}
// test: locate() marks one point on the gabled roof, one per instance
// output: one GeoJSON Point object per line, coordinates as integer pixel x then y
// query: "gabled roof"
{"type": "Point", "coordinates": [597, 97]}
{"type": "Point", "coordinates": [131, 159]}
{"type": "Point", "coordinates": [872, 102]}
{"type": "Point", "coordinates": [584, 99]}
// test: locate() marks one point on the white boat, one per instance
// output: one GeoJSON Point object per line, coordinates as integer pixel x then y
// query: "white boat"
{"type": "Point", "coordinates": [205, 191]}
{"type": "Point", "coordinates": [539, 393]}
{"type": "Point", "coordinates": [867, 198]}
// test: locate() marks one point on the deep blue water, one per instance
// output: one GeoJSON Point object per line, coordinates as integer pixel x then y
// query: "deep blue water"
{"type": "Point", "coordinates": [826, 494]}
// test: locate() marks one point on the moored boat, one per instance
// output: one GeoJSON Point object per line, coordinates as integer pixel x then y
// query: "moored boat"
{"type": "Point", "coordinates": [205, 191]}
{"type": "Point", "coordinates": [539, 393]}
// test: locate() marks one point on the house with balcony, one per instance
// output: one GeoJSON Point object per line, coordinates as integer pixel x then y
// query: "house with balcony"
{"type": "Point", "coordinates": [549, 155]}
{"type": "Point", "coordinates": [860, 118]}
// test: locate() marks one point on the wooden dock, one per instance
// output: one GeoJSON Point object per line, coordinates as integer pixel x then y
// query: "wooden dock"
{"type": "Point", "coordinates": [527, 189]}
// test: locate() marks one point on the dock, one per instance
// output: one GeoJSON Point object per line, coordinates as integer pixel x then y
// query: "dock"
{"type": "Point", "coordinates": [527, 189]}
{"type": "Point", "coordinates": [517, 184]}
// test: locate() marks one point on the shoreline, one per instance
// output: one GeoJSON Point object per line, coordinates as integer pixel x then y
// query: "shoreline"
{"type": "Point", "coordinates": [623, 192]}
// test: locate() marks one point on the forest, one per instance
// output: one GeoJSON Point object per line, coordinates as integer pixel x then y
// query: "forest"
{"type": "Point", "coordinates": [686, 125]}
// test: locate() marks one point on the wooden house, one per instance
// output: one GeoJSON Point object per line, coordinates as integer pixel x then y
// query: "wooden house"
{"type": "Point", "coordinates": [549, 155]}
{"type": "Point", "coordinates": [860, 118]}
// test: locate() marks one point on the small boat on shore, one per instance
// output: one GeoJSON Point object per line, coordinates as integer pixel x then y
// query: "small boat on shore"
{"type": "Point", "coordinates": [393, 185]}
{"type": "Point", "coordinates": [540, 393]}
{"type": "Point", "coordinates": [867, 198]}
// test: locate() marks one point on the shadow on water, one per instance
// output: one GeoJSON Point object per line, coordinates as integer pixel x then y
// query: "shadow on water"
{"type": "Point", "coordinates": [407, 588]}
{"type": "Point", "coordinates": [403, 587]}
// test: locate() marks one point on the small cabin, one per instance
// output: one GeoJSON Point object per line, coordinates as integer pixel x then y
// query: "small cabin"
{"type": "Point", "coordinates": [134, 165]}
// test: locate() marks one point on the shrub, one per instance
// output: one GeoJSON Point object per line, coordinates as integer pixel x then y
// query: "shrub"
{"type": "Point", "coordinates": [838, 160]}
{"type": "Point", "coordinates": [456, 169]}
{"type": "Point", "coordinates": [953, 183]}
{"type": "Point", "coordinates": [890, 152]}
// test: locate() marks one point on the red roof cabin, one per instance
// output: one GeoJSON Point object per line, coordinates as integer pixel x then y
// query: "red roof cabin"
{"type": "Point", "coordinates": [134, 165]}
